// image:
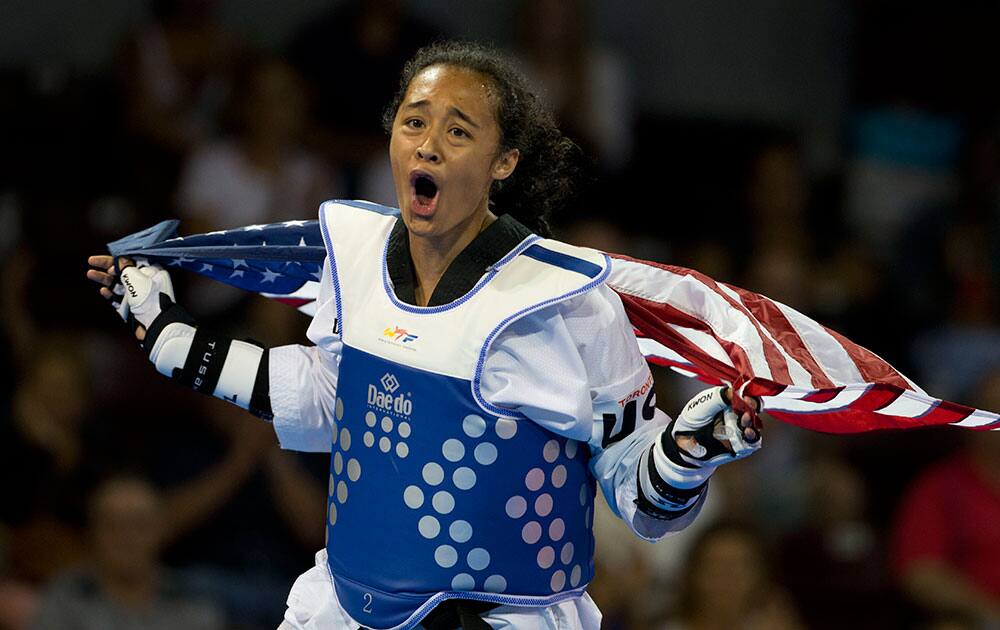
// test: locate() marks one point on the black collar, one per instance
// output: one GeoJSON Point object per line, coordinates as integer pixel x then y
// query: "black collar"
{"type": "Point", "coordinates": [485, 250]}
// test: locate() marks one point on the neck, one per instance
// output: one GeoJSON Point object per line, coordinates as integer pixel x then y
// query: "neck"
{"type": "Point", "coordinates": [433, 254]}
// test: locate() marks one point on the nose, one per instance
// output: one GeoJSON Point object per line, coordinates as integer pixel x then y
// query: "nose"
{"type": "Point", "coordinates": [428, 153]}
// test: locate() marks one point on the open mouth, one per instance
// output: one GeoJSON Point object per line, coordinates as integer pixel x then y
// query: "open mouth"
{"type": "Point", "coordinates": [425, 193]}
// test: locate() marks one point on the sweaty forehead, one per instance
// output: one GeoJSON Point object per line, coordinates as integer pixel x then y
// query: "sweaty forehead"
{"type": "Point", "coordinates": [450, 85]}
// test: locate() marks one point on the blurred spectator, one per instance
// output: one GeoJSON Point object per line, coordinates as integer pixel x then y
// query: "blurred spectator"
{"type": "Point", "coordinates": [902, 162]}
{"type": "Point", "coordinates": [951, 622]}
{"type": "Point", "coordinates": [727, 585]}
{"type": "Point", "coordinates": [946, 551]}
{"type": "Point", "coordinates": [584, 83]}
{"type": "Point", "coordinates": [17, 604]}
{"type": "Point", "coordinates": [351, 55]}
{"type": "Point", "coordinates": [261, 173]}
{"type": "Point", "coordinates": [637, 581]}
{"type": "Point", "coordinates": [244, 517]}
{"type": "Point", "coordinates": [952, 258]}
{"type": "Point", "coordinates": [598, 233]}
{"type": "Point", "coordinates": [837, 556]}
{"type": "Point", "coordinates": [247, 514]}
{"type": "Point", "coordinates": [16, 322]}
{"type": "Point", "coordinates": [625, 573]}
{"type": "Point", "coordinates": [776, 240]}
{"type": "Point", "coordinates": [175, 73]}
{"type": "Point", "coordinates": [123, 585]}
{"type": "Point", "coordinates": [954, 249]}
{"type": "Point", "coordinates": [52, 453]}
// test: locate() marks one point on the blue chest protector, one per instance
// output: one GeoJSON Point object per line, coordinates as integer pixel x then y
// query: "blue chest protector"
{"type": "Point", "coordinates": [435, 493]}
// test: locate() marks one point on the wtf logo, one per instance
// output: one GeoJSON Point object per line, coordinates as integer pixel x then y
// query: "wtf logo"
{"type": "Point", "coordinates": [398, 334]}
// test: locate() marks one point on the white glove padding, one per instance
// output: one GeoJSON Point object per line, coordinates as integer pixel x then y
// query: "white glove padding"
{"type": "Point", "coordinates": [143, 288]}
{"type": "Point", "coordinates": [715, 429]}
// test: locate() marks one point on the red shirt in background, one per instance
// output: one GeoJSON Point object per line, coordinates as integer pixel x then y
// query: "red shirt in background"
{"type": "Point", "coordinates": [952, 514]}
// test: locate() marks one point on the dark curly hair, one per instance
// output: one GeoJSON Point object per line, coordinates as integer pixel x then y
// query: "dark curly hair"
{"type": "Point", "coordinates": [549, 164]}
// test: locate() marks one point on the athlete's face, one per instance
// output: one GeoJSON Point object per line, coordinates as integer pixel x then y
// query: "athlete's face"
{"type": "Point", "coordinates": [445, 153]}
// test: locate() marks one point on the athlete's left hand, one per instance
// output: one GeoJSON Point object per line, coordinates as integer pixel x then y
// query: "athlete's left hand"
{"type": "Point", "coordinates": [709, 432]}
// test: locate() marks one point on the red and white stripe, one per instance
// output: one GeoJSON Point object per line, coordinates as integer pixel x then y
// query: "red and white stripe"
{"type": "Point", "coordinates": [303, 299]}
{"type": "Point", "coordinates": [805, 373]}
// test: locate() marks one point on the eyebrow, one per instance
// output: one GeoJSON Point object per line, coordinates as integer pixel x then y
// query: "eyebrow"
{"type": "Point", "coordinates": [424, 104]}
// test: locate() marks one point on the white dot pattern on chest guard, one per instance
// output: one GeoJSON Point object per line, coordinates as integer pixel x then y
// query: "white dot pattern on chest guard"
{"type": "Point", "coordinates": [516, 507]}
{"type": "Point", "coordinates": [485, 453]}
{"type": "Point", "coordinates": [434, 496]}
{"type": "Point", "coordinates": [474, 426]}
{"type": "Point", "coordinates": [453, 450]}
{"type": "Point", "coordinates": [433, 474]}
{"type": "Point", "coordinates": [531, 532]}
{"type": "Point", "coordinates": [413, 497]}
{"type": "Point", "coordinates": [460, 531]}
{"type": "Point", "coordinates": [339, 491]}
{"type": "Point", "coordinates": [353, 469]}
{"type": "Point", "coordinates": [429, 526]}
{"type": "Point", "coordinates": [463, 478]}
{"type": "Point", "coordinates": [443, 502]}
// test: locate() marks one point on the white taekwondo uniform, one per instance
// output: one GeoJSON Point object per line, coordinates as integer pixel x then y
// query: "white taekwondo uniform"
{"type": "Point", "coordinates": [466, 438]}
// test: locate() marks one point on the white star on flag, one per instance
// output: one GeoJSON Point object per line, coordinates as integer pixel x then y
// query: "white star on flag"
{"type": "Point", "coordinates": [237, 274]}
{"type": "Point", "coordinates": [239, 262]}
{"type": "Point", "coordinates": [206, 267]}
{"type": "Point", "coordinates": [254, 227]}
{"type": "Point", "coordinates": [177, 262]}
{"type": "Point", "coordinates": [294, 223]}
{"type": "Point", "coordinates": [302, 242]}
{"type": "Point", "coordinates": [269, 276]}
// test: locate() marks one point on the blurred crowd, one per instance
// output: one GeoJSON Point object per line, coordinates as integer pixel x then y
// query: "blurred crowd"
{"type": "Point", "coordinates": [128, 503]}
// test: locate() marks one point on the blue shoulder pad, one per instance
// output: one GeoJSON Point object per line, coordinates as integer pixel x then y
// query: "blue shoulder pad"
{"type": "Point", "coordinates": [565, 261]}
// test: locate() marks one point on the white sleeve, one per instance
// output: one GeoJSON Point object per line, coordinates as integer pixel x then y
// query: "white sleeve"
{"type": "Point", "coordinates": [576, 369]}
{"type": "Point", "coordinates": [303, 379]}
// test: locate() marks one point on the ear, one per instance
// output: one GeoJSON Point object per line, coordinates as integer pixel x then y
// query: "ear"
{"type": "Point", "coordinates": [505, 164]}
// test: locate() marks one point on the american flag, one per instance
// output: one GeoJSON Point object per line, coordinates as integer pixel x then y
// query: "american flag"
{"type": "Point", "coordinates": [805, 373]}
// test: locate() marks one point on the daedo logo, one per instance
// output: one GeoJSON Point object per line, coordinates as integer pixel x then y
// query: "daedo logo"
{"type": "Point", "coordinates": [387, 400]}
{"type": "Point", "coordinates": [399, 334]}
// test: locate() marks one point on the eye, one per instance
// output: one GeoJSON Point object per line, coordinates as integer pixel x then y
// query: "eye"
{"type": "Point", "coordinates": [458, 132]}
{"type": "Point", "coordinates": [413, 123]}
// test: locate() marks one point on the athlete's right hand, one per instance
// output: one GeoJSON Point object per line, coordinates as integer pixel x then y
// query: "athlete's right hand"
{"type": "Point", "coordinates": [139, 295]}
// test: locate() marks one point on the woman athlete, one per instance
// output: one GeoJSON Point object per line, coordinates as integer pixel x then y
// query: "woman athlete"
{"type": "Point", "coordinates": [473, 381]}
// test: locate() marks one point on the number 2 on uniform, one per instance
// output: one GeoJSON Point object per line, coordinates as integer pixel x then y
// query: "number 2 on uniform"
{"type": "Point", "coordinates": [368, 603]}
